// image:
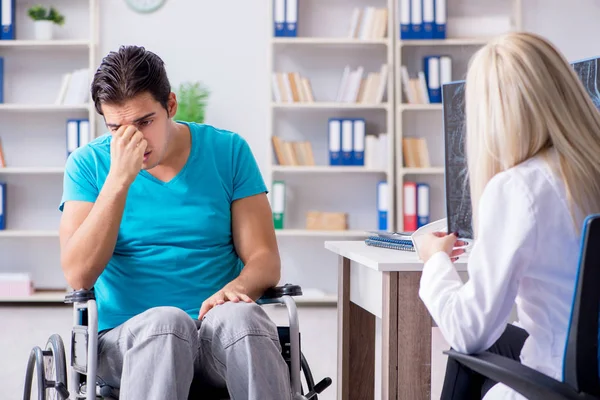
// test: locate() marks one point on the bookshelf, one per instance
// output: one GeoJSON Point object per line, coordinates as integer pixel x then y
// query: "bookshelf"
{"type": "Point", "coordinates": [469, 25]}
{"type": "Point", "coordinates": [322, 48]}
{"type": "Point", "coordinates": [33, 138]}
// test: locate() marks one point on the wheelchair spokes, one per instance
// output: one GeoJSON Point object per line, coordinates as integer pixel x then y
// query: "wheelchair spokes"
{"type": "Point", "coordinates": [50, 370]}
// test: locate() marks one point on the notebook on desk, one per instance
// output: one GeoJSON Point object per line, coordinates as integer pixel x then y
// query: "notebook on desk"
{"type": "Point", "coordinates": [391, 240]}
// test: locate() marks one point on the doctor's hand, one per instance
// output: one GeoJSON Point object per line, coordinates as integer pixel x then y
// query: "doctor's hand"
{"type": "Point", "coordinates": [432, 243]}
{"type": "Point", "coordinates": [233, 292]}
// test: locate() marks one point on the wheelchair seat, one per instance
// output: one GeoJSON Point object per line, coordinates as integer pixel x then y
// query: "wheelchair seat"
{"type": "Point", "coordinates": [51, 367]}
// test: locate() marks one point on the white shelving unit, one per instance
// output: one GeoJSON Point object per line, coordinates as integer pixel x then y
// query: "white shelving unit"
{"type": "Point", "coordinates": [426, 120]}
{"type": "Point", "coordinates": [320, 52]}
{"type": "Point", "coordinates": [33, 136]}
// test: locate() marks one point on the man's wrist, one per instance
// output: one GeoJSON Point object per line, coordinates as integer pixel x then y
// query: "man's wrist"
{"type": "Point", "coordinates": [115, 185]}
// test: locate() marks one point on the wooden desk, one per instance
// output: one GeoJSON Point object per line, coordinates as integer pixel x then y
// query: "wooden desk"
{"type": "Point", "coordinates": [384, 329]}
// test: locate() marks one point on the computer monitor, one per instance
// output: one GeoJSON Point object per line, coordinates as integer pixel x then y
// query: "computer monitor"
{"type": "Point", "coordinates": [458, 195]}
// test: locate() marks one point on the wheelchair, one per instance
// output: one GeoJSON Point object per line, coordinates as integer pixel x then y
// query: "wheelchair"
{"type": "Point", "coordinates": [49, 365]}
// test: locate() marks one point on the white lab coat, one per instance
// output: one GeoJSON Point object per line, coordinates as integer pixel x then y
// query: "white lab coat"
{"type": "Point", "coordinates": [527, 253]}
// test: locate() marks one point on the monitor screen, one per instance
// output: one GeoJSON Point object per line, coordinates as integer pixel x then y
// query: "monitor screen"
{"type": "Point", "coordinates": [458, 195]}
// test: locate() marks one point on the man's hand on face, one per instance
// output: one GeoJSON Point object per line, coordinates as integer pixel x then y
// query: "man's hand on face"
{"type": "Point", "coordinates": [127, 150]}
{"type": "Point", "coordinates": [233, 292]}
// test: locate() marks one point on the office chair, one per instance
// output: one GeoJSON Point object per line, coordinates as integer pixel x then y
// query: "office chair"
{"type": "Point", "coordinates": [580, 366]}
{"type": "Point", "coordinates": [50, 364]}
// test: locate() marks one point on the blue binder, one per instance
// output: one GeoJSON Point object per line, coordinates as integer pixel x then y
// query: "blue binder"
{"type": "Point", "coordinates": [291, 18]}
{"type": "Point", "coordinates": [382, 205]}
{"type": "Point", "coordinates": [347, 141]}
{"type": "Point", "coordinates": [358, 141]}
{"type": "Point", "coordinates": [422, 204]}
{"type": "Point", "coordinates": [431, 68]}
{"type": "Point", "coordinates": [8, 18]}
{"type": "Point", "coordinates": [72, 135]}
{"type": "Point", "coordinates": [335, 141]}
{"type": "Point", "coordinates": [405, 24]}
{"type": "Point", "coordinates": [441, 15]}
{"type": "Point", "coordinates": [416, 19]}
{"type": "Point", "coordinates": [2, 206]}
{"type": "Point", "coordinates": [1, 80]}
{"type": "Point", "coordinates": [279, 18]}
{"type": "Point", "coordinates": [428, 19]}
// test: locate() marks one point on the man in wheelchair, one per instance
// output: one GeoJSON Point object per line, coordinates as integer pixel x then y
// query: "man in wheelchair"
{"type": "Point", "coordinates": [169, 222]}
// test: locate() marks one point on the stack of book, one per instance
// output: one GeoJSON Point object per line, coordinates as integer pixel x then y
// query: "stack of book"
{"type": "Point", "coordinates": [356, 89]}
{"type": "Point", "coordinates": [415, 153]}
{"type": "Point", "coordinates": [293, 153]}
{"type": "Point", "coordinates": [391, 240]}
{"type": "Point", "coordinates": [368, 23]}
{"type": "Point", "coordinates": [291, 87]}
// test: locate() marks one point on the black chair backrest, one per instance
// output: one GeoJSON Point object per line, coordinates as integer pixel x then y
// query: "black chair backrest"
{"type": "Point", "coordinates": [580, 367]}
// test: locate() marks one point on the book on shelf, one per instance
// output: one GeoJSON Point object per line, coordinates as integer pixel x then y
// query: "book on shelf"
{"type": "Point", "coordinates": [292, 153]}
{"type": "Point", "coordinates": [426, 87]}
{"type": "Point", "coordinates": [291, 87]}
{"type": "Point", "coordinates": [356, 88]}
{"type": "Point", "coordinates": [415, 152]}
{"type": "Point", "coordinates": [74, 88]}
{"type": "Point", "coordinates": [285, 18]}
{"type": "Point", "coordinates": [368, 23]}
{"type": "Point", "coordinates": [416, 205]}
{"type": "Point", "coordinates": [423, 19]}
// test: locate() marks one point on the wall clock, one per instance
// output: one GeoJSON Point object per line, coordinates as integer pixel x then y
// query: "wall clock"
{"type": "Point", "coordinates": [145, 6]}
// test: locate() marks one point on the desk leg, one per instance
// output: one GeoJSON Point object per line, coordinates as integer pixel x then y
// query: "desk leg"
{"type": "Point", "coordinates": [389, 342]}
{"type": "Point", "coordinates": [414, 340]}
{"type": "Point", "coordinates": [356, 343]}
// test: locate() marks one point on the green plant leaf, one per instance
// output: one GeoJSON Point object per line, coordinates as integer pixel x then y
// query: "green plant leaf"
{"type": "Point", "coordinates": [192, 98]}
{"type": "Point", "coordinates": [40, 13]}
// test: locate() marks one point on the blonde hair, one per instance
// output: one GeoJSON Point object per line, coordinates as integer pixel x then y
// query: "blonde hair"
{"type": "Point", "coordinates": [522, 98]}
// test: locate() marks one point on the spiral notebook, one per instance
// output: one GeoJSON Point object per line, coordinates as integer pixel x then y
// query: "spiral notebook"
{"type": "Point", "coordinates": [388, 242]}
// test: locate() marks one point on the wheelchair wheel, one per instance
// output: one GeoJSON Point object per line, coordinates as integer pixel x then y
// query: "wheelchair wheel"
{"type": "Point", "coordinates": [50, 371]}
{"type": "Point", "coordinates": [55, 369]}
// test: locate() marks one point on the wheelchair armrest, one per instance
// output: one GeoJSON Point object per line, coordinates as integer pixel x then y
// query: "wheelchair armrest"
{"type": "Point", "coordinates": [80, 296]}
{"type": "Point", "coordinates": [279, 291]}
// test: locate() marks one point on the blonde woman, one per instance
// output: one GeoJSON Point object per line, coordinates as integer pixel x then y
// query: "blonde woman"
{"type": "Point", "coordinates": [533, 140]}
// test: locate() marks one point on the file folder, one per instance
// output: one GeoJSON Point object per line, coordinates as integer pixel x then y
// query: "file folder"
{"type": "Point", "coordinates": [278, 204]}
{"type": "Point", "coordinates": [416, 19]}
{"type": "Point", "coordinates": [347, 145]}
{"type": "Point", "coordinates": [428, 19]}
{"type": "Point", "coordinates": [8, 17]}
{"type": "Point", "coordinates": [335, 141]}
{"type": "Point", "coordinates": [291, 18]}
{"type": "Point", "coordinates": [382, 206]}
{"type": "Point", "coordinates": [410, 206]}
{"type": "Point", "coordinates": [1, 80]}
{"type": "Point", "coordinates": [279, 18]}
{"type": "Point", "coordinates": [84, 132]}
{"type": "Point", "coordinates": [72, 135]}
{"type": "Point", "coordinates": [405, 25]}
{"type": "Point", "coordinates": [358, 138]}
{"type": "Point", "coordinates": [440, 19]}
{"type": "Point", "coordinates": [432, 76]}
{"type": "Point", "coordinates": [422, 204]}
{"type": "Point", "coordinates": [2, 206]}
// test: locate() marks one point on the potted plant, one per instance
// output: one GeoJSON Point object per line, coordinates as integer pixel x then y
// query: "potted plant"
{"type": "Point", "coordinates": [44, 21]}
{"type": "Point", "coordinates": [192, 98]}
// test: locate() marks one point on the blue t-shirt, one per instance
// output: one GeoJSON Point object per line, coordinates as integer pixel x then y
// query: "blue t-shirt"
{"type": "Point", "coordinates": [175, 245]}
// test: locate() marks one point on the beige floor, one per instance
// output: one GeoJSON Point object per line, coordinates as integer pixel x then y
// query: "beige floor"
{"type": "Point", "coordinates": [23, 328]}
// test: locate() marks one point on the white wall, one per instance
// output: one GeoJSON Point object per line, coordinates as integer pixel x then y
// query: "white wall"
{"type": "Point", "coordinates": [224, 43]}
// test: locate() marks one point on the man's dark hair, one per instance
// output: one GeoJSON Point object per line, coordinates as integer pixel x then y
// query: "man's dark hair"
{"type": "Point", "coordinates": [128, 72]}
